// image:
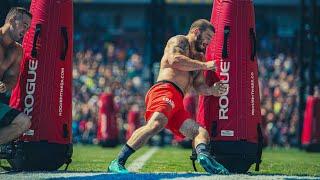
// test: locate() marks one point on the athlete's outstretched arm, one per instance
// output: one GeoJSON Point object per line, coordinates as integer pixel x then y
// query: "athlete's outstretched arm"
{"type": "Point", "coordinates": [177, 52]}
{"type": "Point", "coordinates": [217, 89]}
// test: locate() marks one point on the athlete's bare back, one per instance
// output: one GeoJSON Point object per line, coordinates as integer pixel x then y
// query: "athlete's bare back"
{"type": "Point", "coordinates": [167, 72]}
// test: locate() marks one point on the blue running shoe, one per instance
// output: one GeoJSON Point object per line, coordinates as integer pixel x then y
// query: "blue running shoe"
{"type": "Point", "coordinates": [116, 167]}
{"type": "Point", "coordinates": [211, 165]}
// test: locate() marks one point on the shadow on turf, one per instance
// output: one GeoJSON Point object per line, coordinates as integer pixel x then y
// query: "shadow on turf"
{"type": "Point", "coordinates": [278, 174]}
{"type": "Point", "coordinates": [166, 175]}
{"type": "Point", "coordinates": [162, 176]}
{"type": "Point", "coordinates": [137, 176]}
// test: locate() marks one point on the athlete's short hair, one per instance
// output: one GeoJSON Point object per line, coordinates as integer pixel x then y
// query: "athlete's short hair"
{"type": "Point", "coordinates": [17, 11]}
{"type": "Point", "coordinates": [202, 25]}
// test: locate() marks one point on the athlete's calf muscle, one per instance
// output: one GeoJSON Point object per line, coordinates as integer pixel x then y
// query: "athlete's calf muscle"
{"type": "Point", "coordinates": [190, 128]}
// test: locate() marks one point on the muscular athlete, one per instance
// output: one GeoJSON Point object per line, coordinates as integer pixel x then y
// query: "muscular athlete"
{"type": "Point", "coordinates": [181, 69]}
{"type": "Point", "coordinates": [12, 122]}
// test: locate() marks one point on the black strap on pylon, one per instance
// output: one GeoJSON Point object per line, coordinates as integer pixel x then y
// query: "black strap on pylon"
{"type": "Point", "coordinates": [260, 144]}
{"type": "Point", "coordinates": [253, 43]}
{"type": "Point", "coordinates": [226, 33]}
{"type": "Point", "coordinates": [193, 158]}
{"type": "Point", "coordinates": [68, 156]}
{"type": "Point", "coordinates": [69, 160]}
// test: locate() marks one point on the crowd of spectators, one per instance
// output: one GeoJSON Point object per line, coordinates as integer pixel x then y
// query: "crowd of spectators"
{"type": "Point", "coordinates": [113, 66]}
{"type": "Point", "coordinates": [278, 93]}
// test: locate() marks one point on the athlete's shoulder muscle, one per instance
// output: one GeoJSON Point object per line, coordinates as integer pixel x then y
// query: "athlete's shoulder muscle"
{"type": "Point", "coordinates": [178, 45]}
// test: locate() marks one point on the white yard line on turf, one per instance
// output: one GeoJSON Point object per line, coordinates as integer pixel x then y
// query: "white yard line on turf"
{"type": "Point", "coordinates": [138, 163]}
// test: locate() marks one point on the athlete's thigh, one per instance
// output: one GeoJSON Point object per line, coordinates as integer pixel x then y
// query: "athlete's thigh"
{"type": "Point", "coordinates": [7, 115]}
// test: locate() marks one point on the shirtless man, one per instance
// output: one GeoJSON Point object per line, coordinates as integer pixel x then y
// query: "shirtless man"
{"type": "Point", "coordinates": [12, 122]}
{"type": "Point", "coordinates": [180, 69]}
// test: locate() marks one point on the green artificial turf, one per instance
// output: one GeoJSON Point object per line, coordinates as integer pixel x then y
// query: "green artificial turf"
{"type": "Point", "coordinates": [172, 159]}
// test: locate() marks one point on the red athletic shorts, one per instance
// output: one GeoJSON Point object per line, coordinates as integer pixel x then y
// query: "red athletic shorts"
{"type": "Point", "coordinates": [167, 98]}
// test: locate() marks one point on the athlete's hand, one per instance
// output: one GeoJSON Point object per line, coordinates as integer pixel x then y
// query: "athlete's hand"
{"type": "Point", "coordinates": [200, 56]}
{"type": "Point", "coordinates": [210, 65]}
{"type": "Point", "coordinates": [3, 87]}
{"type": "Point", "coordinates": [218, 89]}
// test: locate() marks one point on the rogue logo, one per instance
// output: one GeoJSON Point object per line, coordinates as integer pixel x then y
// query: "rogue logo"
{"type": "Point", "coordinates": [61, 92]}
{"type": "Point", "coordinates": [252, 93]}
{"type": "Point", "coordinates": [30, 87]}
{"type": "Point", "coordinates": [224, 100]}
{"type": "Point", "coordinates": [169, 101]}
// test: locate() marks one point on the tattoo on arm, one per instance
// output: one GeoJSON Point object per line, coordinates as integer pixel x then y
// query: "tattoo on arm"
{"type": "Point", "coordinates": [178, 45]}
{"type": "Point", "coordinates": [177, 52]}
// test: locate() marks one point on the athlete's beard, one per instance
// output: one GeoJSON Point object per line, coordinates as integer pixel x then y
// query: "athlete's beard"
{"type": "Point", "coordinates": [198, 45]}
{"type": "Point", "coordinates": [13, 36]}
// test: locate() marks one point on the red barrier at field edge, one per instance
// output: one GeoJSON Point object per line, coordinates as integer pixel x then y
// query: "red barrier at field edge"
{"type": "Point", "coordinates": [108, 131]}
{"type": "Point", "coordinates": [311, 126]}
